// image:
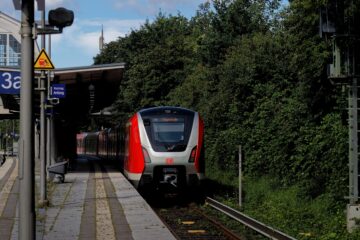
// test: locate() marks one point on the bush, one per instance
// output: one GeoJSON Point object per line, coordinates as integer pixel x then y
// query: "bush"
{"type": "Point", "coordinates": [288, 210]}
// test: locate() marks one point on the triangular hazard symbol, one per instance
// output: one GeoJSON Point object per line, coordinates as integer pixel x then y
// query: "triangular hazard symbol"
{"type": "Point", "coordinates": [43, 61]}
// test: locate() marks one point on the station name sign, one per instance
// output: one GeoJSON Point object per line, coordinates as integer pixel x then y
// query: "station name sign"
{"type": "Point", "coordinates": [10, 82]}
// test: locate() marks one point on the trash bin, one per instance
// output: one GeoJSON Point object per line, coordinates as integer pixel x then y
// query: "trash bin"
{"type": "Point", "coordinates": [59, 168]}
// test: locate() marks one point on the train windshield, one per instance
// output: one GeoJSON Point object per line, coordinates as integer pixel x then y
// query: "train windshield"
{"type": "Point", "coordinates": [168, 130]}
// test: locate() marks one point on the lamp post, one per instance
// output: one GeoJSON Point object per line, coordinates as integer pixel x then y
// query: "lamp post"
{"type": "Point", "coordinates": [60, 18]}
{"type": "Point", "coordinates": [26, 142]}
{"type": "Point", "coordinates": [43, 193]}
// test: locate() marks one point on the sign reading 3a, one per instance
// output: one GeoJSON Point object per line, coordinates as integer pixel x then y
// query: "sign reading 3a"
{"type": "Point", "coordinates": [9, 82]}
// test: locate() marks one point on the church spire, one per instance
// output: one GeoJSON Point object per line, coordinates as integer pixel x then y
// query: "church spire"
{"type": "Point", "coordinates": [101, 39]}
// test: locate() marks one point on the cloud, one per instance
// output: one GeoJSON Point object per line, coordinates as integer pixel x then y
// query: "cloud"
{"type": "Point", "coordinates": [152, 7]}
{"type": "Point", "coordinates": [83, 35]}
{"type": "Point", "coordinates": [54, 3]}
{"type": "Point", "coordinates": [78, 44]}
{"type": "Point", "coordinates": [123, 26]}
{"type": "Point", "coordinates": [51, 4]}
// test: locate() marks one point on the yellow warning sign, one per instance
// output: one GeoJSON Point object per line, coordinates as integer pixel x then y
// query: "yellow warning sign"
{"type": "Point", "coordinates": [43, 62]}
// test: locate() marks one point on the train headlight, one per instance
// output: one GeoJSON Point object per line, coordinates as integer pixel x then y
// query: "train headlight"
{"type": "Point", "coordinates": [192, 155]}
{"type": "Point", "coordinates": [146, 156]}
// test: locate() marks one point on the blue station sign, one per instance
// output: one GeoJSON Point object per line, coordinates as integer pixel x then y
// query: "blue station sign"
{"type": "Point", "coordinates": [58, 90]}
{"type": "Point", "coordinates": [10, 82]}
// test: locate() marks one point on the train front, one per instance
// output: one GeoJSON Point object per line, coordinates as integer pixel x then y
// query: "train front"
{"type": "Point", "coordinates": [172, 146]}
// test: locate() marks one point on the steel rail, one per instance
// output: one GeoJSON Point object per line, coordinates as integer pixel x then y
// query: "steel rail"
{"type": "Point", "coordinates": [248, 221]}
{"type": "Point", "coordinates": [226, 231]}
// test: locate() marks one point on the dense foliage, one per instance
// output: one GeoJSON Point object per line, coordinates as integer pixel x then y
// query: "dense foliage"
{"type": "Point", "coordinates": [256, 71]}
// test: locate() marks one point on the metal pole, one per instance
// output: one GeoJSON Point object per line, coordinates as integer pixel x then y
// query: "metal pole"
{"type": "Point", "coordinates": [13, 136]}
{"type": "Point", "coordinates": [51, 127]}
{"type": "Point", "coordinates": [6, 142]}
{"type": "Point", "coordinates": [353, 146]}
{"type": "Point", "coordinates": [43, 195]}
{"type": "Point", "coordinates": [53, 140]}
{"type": "Point", "coordinates": [26, 156]}
{"type": "Point", "coordinates": [48, 139]}
{"type": "Point", "coordinates": [48, 119]}
{"type": "Point", "coordinates": [240, 175]}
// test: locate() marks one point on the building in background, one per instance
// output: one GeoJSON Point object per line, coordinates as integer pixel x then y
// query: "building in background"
{"type": "Point", "coordinates": [10, 56]}
{"type": "Point", "coordinates": [10, 39]}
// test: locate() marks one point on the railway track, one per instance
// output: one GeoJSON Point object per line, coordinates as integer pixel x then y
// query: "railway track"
{"type": "Point", "coordinates": [259, 227]}
{"type": "Point", "coordinates": [192, 223]}
{"type": "Point", "coordinates": [187, 220]}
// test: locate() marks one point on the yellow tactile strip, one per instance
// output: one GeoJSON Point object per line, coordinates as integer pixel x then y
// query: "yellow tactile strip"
{"type": "Point", "coordinates": [121, 226]}
{"type": "Point", "coordinates": [104, 226]}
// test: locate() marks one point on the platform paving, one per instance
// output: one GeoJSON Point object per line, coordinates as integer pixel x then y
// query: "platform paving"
{"type": "Point", "coordinates": [95, 202]}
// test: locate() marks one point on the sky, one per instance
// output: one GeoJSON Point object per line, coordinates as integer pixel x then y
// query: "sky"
{"type": "Point", "coordinates": [79, 43]}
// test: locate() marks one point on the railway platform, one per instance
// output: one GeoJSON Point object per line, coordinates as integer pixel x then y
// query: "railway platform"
{"type": "Point", "coordinates": [94, 202]}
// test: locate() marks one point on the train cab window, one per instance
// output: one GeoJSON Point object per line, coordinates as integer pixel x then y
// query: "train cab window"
{"type": "Point", "coordinates": [168, 130]}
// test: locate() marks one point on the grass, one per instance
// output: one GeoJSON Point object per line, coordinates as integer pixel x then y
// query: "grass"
{"type": "Point", "coordinates": [288, 210]}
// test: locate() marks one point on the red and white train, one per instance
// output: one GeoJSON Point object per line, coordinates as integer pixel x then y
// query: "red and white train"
{"type": "Point", "coordinates": [160, 145]}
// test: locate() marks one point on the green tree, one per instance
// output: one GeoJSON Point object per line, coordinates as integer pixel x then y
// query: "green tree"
{"type": "Point", "coordinates": [157, 58]}
{"type": "Point", "coordinates": [257, 75]}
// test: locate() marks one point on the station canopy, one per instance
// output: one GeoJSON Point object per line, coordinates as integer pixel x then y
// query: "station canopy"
{"type": "Point", "coordinates": [87, 90]}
